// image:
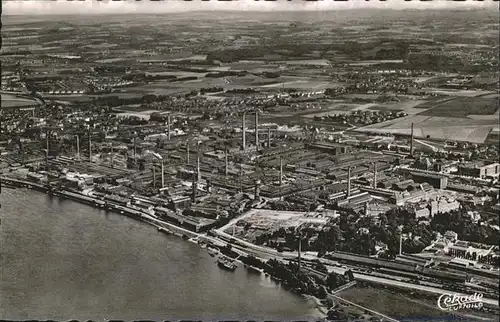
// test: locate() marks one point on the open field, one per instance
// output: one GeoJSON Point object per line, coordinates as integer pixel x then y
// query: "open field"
{"type": "Point", "coordinates": [461, 107]}
{"type": "Point", "coordinates": [375, 62]}
{"type": "Point", "coordinates": [9, 100]}
{"type": "Point", "coordinates": [390, 303]}
{"type": "Point", "coordinates": [409, 107]}
{"type": "Point", "coordinates": [444, 128]}
{"type": "Point", "coordinates": [315, 62]}
{"type": "Point", "coordinates": [345, 108]}
{"type": "Point", "coordinates": [461, 93]}
{"type": "Point", "coordinates": [303, 83]}
{"type": "Point", "coordinates": [227, 83]}
{"type": "Point", "coordinates": [177, 74]}
{"type": "Point", "coordinates": [493, 137]}
{"type": "Point", "coordinates": [463, 119]}
{"type": "Point", "coordinates": [383, 108]}
{"type": "Point", "coordinates": [493, 117]}
{"type": "Point", "coordinates": [254, 66]}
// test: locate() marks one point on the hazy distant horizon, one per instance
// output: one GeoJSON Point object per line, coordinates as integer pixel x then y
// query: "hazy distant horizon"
{"type": "Point", "coordinates": [48, 8]}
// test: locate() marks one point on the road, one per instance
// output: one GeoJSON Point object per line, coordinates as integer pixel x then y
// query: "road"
{"type": "Point", "coordinates": [433, 148]}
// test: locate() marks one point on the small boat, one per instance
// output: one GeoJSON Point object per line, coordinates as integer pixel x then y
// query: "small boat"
{"type": "Point", "coordinates": [226, 263]}
{"type": "Point", "coordinates": [252, 269]}
{"type": "Point", "coordinates": [164, 230]}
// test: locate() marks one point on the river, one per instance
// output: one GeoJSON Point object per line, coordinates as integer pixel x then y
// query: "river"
{"type": "Point", "coordinates": [63, 260]}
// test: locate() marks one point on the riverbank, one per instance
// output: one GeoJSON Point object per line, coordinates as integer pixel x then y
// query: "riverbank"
{"type": "Point", "coordinates": [122, 268]}
{"type": "Point", "coordinates": [160, 225]}
{"type": "Point", "coordinates": [320, 306]}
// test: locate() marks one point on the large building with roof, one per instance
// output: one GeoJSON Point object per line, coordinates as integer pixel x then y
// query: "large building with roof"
{"type": "Point", "coordinates": [479, 169]}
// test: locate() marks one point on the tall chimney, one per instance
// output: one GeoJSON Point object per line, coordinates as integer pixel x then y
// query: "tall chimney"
{"type": "Point", "coordinates": [268, 137]}
{"type": "Point", "coordinates": [348, 182]}
{"type": "Point", "coordinates": [243, 130]}
{"type": "Point", "coordinates": [112, 155]}
{"type": "Point", "coordinates": [400, 243]}
{"type": "Point", "coordinates": [187, 148]}
{"type": "Point", "coordinates": [194, 187]}
{"type": "Point", "coordinates": [135, 147]}
{"type": "Point", "coordinates": [168, 126]}
{"type": "Point", "coordinates": [154, 176]}
{"type": "Point", "coordinates": [162, 174]}
{"type": "Point", "coordinates": [257, 189]}
{"type": "Point", "coordinates": [257, 130]}
{"type": "Point", "coordinates": [241, 177]}
{"type": "Point", "coordinates": [411, 140]}
{"type": "Point", "coordinates": [281, 170]}
{"type": "Point", "coordinates": [77, 147]}
{"type": "Point", "coordinates": [198, 174]}
{"type": "Point", "coordinates": [300, 249]}
{"type": "Point", "coordinates": [47, 148]}
{"type": "Point", "coordinates": [225, 157]}
{"type": "Point", "coordinates": [90, 146]}
{"type": "Point", "coordinates": [374, 175]}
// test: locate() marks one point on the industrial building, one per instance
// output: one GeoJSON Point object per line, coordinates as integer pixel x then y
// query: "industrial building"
{"type": "Point", "coordinates": [479, 169]}
{"type": "Point", "coordinates": [435, 180]}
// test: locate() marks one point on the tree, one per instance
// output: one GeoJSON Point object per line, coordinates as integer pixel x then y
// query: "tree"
{"type": "Point", "coordinates": [322, 292]}
{"type": "Point", "coordinates": [349, 275]}
{"type": "Point", "coordinates": [320, 267]}
{"type": "Point", "coordinates": [156, 117]}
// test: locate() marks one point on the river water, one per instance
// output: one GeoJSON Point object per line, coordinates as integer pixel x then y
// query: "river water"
{"type": "Point", "coordinates": [63, 260]}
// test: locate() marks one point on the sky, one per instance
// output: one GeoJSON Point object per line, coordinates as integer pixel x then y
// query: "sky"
{"type": "Point", "coordinates": [49, 7]}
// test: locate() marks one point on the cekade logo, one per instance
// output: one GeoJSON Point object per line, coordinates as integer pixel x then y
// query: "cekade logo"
{"type": "Point", "coordinates": [453, 302]}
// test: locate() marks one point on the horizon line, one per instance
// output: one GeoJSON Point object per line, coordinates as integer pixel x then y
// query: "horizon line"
{"type": "Point", "coordinates": [53, 8]}
{"type": "Point", "coordinates": [241, 11]}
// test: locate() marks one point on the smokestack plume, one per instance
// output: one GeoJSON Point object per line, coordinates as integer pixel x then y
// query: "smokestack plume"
{"type": "Point", "coordinates": [348, 182]}
{"type": "Point", "coordinates": [168, 126]}
{"type": "Point", "coordinates": [411, 140]}
{"type": "Point", "coordinates": [281, 170]}
{"type": "Point", "coordinates": [257, 130]}
{"type": "Point", "coordinates": [374, 175]}
{"type": "Point", "coordinates": [243, 130]}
